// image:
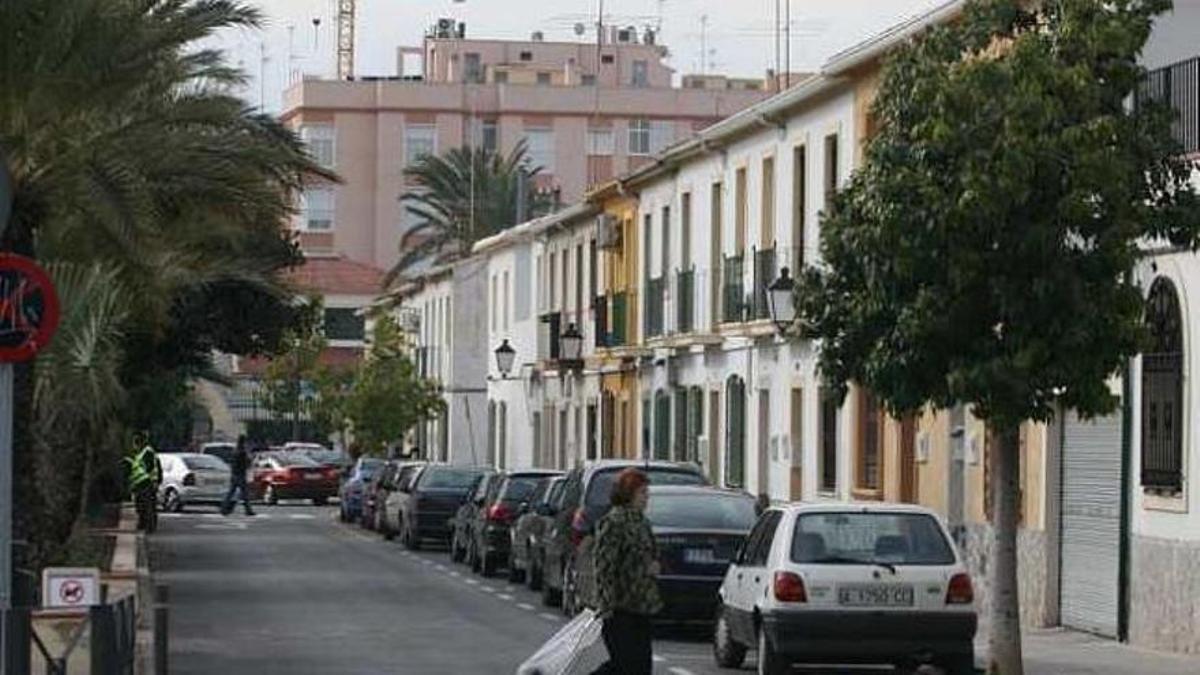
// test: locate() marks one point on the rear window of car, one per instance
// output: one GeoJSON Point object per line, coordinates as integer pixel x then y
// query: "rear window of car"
{"type": "Point", "coordinates": [857, 538]}
{"type": "Point", "coordinates": [701, 512]}
{"type": "Point", "coordinates": [295, 459]}
{"type": "Point", "coordinates": [599, 491]}
{"type": "Point", "coordinates": [439, 478]}
{"type": "Point", "coordinates": [520, 488]}
{"type": "Point", "coordinates": [368, 467]}
{"type": "Point", "coordinates": [205, 462]}
{"type": "Point", "coordinates": [225, 452]}
{"type": "Point", "coordinates": [325, 456]}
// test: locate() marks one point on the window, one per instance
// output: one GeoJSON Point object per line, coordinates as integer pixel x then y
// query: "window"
{"type": "Point", "coordinates": [1162, 391]}
{"type": "Point", "coordinates": [665, 253]}
{"type": "Point", "coordinates": [641, 74]}
{"type": "Point", "coordinates": [317, 209]}
{"type": "Point", "coordinates": [870, 441]}
{"type": "Point", "coordinates": [799, 204]}
{"type": "Point", "coordinates": [758, 544]}
{"type": "Point", "coordinates": [829, 441]}
{"type": "Point", "coordinates": [541, 148]}
{"type": "Point", "coordinates": [472, 71]}
{"type": "Point", "coordinates": [852, 538]}
{"type": "Point", "coordinates": [320, 141]}
{"type": "Point", "coordinates": [600, 142]}
{"type": "Point", "coordinates": [419, 140]}
{"type": "Point", "coordinates": [735, 430]}
{"type": "Point", "coordinates": [716, 209]}
{"type": "Point", "coordinates": [662, 134]}
{"type": "Point", "coordinates": [507, 305]}
{"type": "Point", "coordinates": [485, 134]}
{"type": "Point", "coordinates": [526, 56]}
{"type": "Point", "coordinates": [685, 231]}
{"type": "Point", "coordinates": [543, 78]}
{"type": "Point", "coordinates": [639, 137]}
{"type": "Point", "coordinates": [592, 260]}
{"type": "Point", "coordinates": [494, 303]}
{"type": "Point", "coordinates": [587, 80]}
{"type": "Point", "coordinates": [501, 77]}
{"type": "Point", "coordinates": [662, 425]}
{"type": "Point", "coordinates": [647, 226]}
{"type": "Point", "coordinates": [579, 285]}
{"type": "Point", "coordinates": [344, 323]}
{"type": "Point", "coordinates": [831, 169]}
{"type": "Point", "coordinates": [766, 232]}
{"type": "Point", "coordinates": [566, 260]}
{"type": "Point", "coordinates": [552, 270]}
{"type": "Point", "coordinates": [740, 211]}
{"type": "Point", "coordinates": [607, 58]}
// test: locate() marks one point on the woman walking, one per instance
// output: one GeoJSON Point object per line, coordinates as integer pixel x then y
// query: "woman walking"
{"type": "Point", "coordinates": [627, 577]}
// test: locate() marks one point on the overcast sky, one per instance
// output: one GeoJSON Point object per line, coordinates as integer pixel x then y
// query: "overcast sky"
{"type": "Point", "coordinates": [740, 33]}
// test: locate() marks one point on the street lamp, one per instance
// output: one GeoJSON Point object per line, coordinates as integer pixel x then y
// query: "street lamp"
{"type": "Point", "coordinates": [505, 355]}
{"type": "Point", "coordinates": [783, 306]}
{"type": "Point", "coordinates": [572, 347]}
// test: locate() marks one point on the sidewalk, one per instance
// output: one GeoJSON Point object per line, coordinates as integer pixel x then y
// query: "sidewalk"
{"type": "Point", "coordinates": [1065, 652]}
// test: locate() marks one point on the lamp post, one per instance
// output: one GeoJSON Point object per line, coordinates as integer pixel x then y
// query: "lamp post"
{"type": "Point", "coordinates": [505, 355]}
{"type": "Point", "coordinates": [783, 306]}
{"type": "Point", "coordinates": [571, 344]}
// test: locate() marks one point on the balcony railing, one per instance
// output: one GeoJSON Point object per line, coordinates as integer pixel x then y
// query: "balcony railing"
{"type": "Point", "coordinates": [655, 301]}
{"type": "Point", "coordinates": [685, 301]}
{"type": "Point", "coordinates": [549, 336]}
{"type": "Point", "coordinates": [600, 320]}
{"type": "Point", "coordinates": [618, 320]}
{"type": "Point", "coordinates": [1177, 85]}
{"type": "Point", "coordinates": [764, 274]}
{"type": "Point", "coordinates": [733, 295]}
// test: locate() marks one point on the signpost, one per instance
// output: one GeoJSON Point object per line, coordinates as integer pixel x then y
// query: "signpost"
{"type": "Point", "coordinates": [70, 587]}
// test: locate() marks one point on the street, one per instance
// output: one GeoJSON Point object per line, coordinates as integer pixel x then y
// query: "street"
{"type": "Point", "coordinates": [294, 591]}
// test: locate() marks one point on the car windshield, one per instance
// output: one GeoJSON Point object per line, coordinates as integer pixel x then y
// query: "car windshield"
{"type": "Point", "coordinates": [702, 511]}
{"type": "Point", "coordinates": [599, 494]}
{"type": "Point", "coordinates": [368, 467]}
{"type": "Point", "coordinates": [521, 488]}
{"type": "Point", "coordinates": [208, 462]}
{"type": "Point", "coordinates": [857, 538]}
{"type": "Point", "coordinates": [449, 479]}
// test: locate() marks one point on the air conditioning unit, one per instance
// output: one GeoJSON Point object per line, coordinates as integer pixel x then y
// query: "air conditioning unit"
{"type": "Point", "coordinates": [627, 35]}
{"type": "Point", "coordinates": [608, 231]}
{"type": "Point", "coordinates": [444, 28]}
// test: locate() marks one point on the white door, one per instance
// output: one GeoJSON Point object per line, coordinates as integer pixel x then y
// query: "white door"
{"type": "Point", "coordinates": [1091, 523]}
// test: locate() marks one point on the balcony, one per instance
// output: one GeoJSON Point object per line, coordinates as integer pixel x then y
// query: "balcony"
{"type": "Point", "coordinates": [600, 320]}
{"type": "Point", "coordinates": [733, 294]}
{"type": "Point", "coordinates": [685, 301]}
{"type": "Point", "coordinates": [764, 273]}
{"type": "Point", "coordinates": [549, 336]}
{"type": "Point", "coordinates": [1177, 85]}
{"type": "Point", "coordinates": [656, 293]}
{"type": "Point", "coordinates": [617, 335]}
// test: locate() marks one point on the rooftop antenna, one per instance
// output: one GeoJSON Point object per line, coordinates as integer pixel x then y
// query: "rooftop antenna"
{"type": "Point", "coordinates": [703, 44]}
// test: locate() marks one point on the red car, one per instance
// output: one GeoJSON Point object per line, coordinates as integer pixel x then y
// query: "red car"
{"type": "Point", "coordinates": [292, 475]}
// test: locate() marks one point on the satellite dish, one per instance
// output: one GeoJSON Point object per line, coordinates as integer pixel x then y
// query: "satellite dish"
{"type": "Point", "coordinates": [580, 29]}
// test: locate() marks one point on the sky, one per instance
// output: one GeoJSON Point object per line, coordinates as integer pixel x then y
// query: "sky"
{"type": "Point", "coordinates": [739, 36]}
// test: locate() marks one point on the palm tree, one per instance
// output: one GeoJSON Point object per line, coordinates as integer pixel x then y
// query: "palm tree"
{"type": "Point", "coordinates": [464, 196]}
{"type": "Point", "coordinates": [128, 151]}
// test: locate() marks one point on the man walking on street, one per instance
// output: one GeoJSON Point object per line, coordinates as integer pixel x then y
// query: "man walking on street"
{"type": "Point", "coordinates": [237, 479]}
{"type": "Point", "coordinates": [144, 474]}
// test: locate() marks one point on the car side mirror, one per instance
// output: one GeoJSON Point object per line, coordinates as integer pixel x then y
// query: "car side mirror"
{"type": "Point", "coordinates": [523, 508]}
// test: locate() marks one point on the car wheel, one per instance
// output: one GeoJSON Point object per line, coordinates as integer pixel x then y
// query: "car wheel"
{"type": "Point", "coordinates": [487, 564]}
{"type": "Point", "coordinates": [457, 554]}
{"type": "Point", "coordinates": [960, 665]}
{"type": "Point", "coordinates": [473, 557]}
{"type": "Point", "coordinates": [320, 501]}
{"type": "Point", "coordinates": [171, 501]}
{"type": "Point", "coordinates": [729, 653]}
{"type": "Point", "coordinates": [534, 575]}
{"type": "Point", "coordinates": [271, 497]}
{"type": "Point", "coordinates": [550, 596]}
{"type": "Point", "coordinates": [386, 529]}
{"type": "Point", "coordinates": [769, 662]}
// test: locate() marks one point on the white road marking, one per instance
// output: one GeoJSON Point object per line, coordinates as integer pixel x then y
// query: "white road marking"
{"type": "Point", "coordinates": [505, 596]}
{"type": "Point", "coordinates": [658, 659]}
{"type": "Point", "coordinates": [301, 516]}
{"type": "Point", "coordinates": [550, 617]}
{"type": "Point", "coordinates": [473, 582]}
{"type": "Point", "coordinates": [440, 568]}
{"type": "Point", "coordinates": [526, 606]}
{"type": "Point", "coordinates": [679, 671]}
{"type": "Point", "coordinates": [456, 575]}
{"type": "Point", "coordinates": [487, 589]}
{"type": "Point", "coordinates": [221, 526]}
{"type": "Point", "coordinates": [426, 561]}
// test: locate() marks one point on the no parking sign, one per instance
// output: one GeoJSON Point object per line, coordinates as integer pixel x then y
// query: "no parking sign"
{"type": "Point", "coordinates": [70, 587]}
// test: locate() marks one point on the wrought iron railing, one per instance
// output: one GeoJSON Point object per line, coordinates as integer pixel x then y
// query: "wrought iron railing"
{"type": "Point", "coordinates": [1177, 85]}
{"type": "Point", "coordinates": [685, 301]}
{"type": "Point", "coordinates": [733, 295]}
{"type": "Point", "coordinates": [655, 303]}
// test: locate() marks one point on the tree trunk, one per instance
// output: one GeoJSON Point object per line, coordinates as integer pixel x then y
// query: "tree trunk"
{"type": "Point", "coordinates": [1005, 637]}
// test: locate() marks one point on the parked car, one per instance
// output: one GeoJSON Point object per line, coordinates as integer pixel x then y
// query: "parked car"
{"type": "Point", "coordinates": [463, 523]}
{"type": "Point", "coordinates": [586, 498]}
{"type": "Point", "coordinates": [191, 478]}
{"type": "Point", "coordinates": [524, 563]}
{"type": "Point", "coordinates": [372, 492]}
{"type": "Point", "coordinates": [350, 495]}
{"type": "Point", "coordinates": [223, 450]}
{"type": "Point", "coordinates": [436, 495]}
{"type": "Point", "coordinates": [291, 475]}
{"type": "Point", "coordinates": [847, 583]}
{"type": "Point", "coordinates": [491, 540]}
{"type": "Point", "coordinates": [397, 494]}
{"type": "Point", "coordinates": [337, 459]}
{"type": "Point", "coordinates": [697, 530]}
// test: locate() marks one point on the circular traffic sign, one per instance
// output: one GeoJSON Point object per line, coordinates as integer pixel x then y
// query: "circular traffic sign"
{"type": "Point", "coordinates": [71, 592]}
{"type": "Point", "coordinates": [29, 310]}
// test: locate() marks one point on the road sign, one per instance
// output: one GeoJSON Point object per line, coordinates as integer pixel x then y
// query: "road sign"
{"type": "Point", "coordinates": [29, 310]}
{"type": "Point", "coordinates": [70, 587]}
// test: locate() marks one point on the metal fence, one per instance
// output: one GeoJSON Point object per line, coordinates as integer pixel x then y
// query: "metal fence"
{"type": "Point", "coordinates": [113, 641]}
{"type": "Point", "coordinates": [1177, 85]}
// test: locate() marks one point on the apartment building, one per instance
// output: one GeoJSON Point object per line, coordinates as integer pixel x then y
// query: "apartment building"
{"type": "Point", "coordinates": [587, 111]}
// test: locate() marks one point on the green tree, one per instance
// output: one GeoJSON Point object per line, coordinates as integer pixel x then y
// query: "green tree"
{"type": "Point", "coordinates": [389, 396]}
{"type": "Point", "coordinates": [291, 373]}
{"type": "Point", "coordinates": [983, 253]}
{"type": "Point", "coordinates": [464, 196]}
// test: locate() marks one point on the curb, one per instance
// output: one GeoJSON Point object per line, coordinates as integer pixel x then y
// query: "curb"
{"type": "Point", "coordinates": [129, 574]}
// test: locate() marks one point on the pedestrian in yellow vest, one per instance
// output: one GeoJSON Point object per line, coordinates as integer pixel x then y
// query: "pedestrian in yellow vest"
{"type": "Point", "coordinates": [144, 473]}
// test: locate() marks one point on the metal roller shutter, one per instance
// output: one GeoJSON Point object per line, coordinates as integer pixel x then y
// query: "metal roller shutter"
{"type": "Point", "coordinates": [1091, 523]}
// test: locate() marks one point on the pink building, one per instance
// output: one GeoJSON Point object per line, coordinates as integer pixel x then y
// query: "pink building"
{"type": "Point", "coordinates": [588, 111]}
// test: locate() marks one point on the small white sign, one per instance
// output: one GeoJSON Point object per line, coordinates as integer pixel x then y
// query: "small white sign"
{"type": "Point", "coordinates": [70, 587]}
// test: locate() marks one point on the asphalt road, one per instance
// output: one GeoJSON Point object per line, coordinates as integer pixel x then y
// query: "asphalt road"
{"type": "Point", "coordinates": [295, 592]}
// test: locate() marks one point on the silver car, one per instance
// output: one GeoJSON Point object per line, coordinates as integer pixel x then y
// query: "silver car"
{"type": "Point", "coordinates": [192, 478]}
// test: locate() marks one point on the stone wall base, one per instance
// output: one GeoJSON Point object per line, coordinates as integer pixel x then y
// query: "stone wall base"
{"type": "Point", "coordinates": [1164, 594]}
{"type": "Point", "coordinates": [975, 541]}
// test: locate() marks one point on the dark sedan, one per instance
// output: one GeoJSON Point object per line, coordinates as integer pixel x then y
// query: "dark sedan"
{"type": "Point", "coordinates": [526, 559]}
{"type": "Point", "coordinates": [490, 534]}
{"type": "Point", "coordinates": [436, 496]}
{"type": "Point", "coordinates": [372, 493]}
{"type": "Point", "coordinates": [463, 523]}
{"type": "Point", "coordinates": [698, 530]}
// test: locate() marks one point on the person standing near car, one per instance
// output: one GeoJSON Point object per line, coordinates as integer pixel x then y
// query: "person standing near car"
{"type": "Point", "coordinates": [627, 577]}
{"type": "Point", "coordinates": [143, 474]}
{"type": "Point", "coordinates": [239, 465]}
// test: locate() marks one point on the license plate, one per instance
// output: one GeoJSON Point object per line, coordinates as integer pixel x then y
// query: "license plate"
{"type": "Point", "coordinates": [875, 595]}
{"type": "Point", "coordinates": [313, 476]}
{"type": "Point", "coordinates": [701, 556]}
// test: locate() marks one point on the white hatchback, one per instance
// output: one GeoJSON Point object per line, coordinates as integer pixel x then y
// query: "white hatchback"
{"type": "Point", "coordinates": [192, 478]}
{"type": "Point", "coordinates": [847, 584]}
